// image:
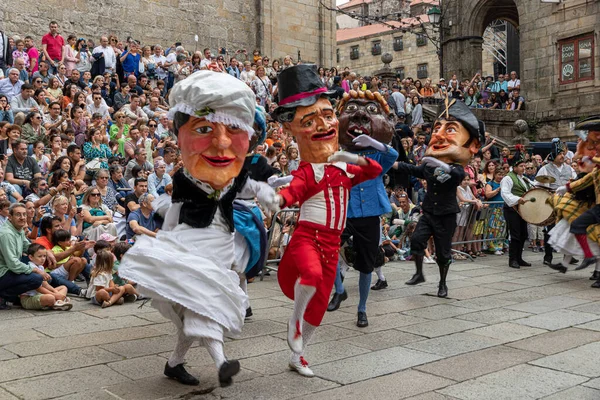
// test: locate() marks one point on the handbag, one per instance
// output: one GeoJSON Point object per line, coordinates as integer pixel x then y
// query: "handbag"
{"type": "Point", "coordinates": [95, 164]}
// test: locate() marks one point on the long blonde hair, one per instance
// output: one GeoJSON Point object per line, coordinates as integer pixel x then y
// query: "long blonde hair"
{"type": "Point", "coordinates": [104, 263]}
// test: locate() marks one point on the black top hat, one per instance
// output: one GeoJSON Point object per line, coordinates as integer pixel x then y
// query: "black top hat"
{"type": "Point", "coordinates": [299, 85]}
{"type": "Point", "coordinates": [459, 111]}
{"type": "Point", "coordinates": [583, 127]}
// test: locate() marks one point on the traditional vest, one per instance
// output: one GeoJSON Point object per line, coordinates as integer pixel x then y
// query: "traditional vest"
{"type": "Point", "coordinates": [199, 208]}
{"type": "Point", "coordinates": [518, 188]}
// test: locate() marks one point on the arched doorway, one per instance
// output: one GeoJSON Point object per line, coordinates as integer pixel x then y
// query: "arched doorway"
{"type": "Point", "coordinates": [500, 49]}
{"type": "Point", "coordinates": [464, 42]}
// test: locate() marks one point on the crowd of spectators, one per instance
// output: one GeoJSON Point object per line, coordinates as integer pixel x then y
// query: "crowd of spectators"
{"type": "Point", "coordinates": [86, 146]}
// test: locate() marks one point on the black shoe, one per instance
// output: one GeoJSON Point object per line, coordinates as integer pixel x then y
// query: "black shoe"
{"type": "Point", "coordinates": [548, 261]}
{"type": "Point", "coordinates": [416, 279]}
{"type": "Point", "coordinates": [559, 267]}
{"type": "Point", "coordinates": [4, 305]}
{"type": "Point", "coordinates": [514, 264]}
{"type": "Point", "coordinates": [574, 261]}
{"type": "Point", "coordinates": [442, 290]}
{"type": "Point", "coordinates": [379, 285]}
{"type": "Point", "coordinates": [362, 321]}
{"type": "Point", "coordinates": [595, 276]}
{"type": "Point", "coordinates": [596, 284]}
{"type": "Point", "coordinates": [336, 300]}
{"type": "Point", "coordinates": [227, 371]}
{"type": "Point", "coordinates": [248, 312]}
{"type": "Point", "coordinates": [586, 263]}
{"type": "Point", "coordinates": [523, 263]}
{"type": "Point", "coordinates": [181, 375]}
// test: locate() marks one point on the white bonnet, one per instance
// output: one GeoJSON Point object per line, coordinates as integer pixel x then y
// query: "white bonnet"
{"type": "Point", "coordinates": [216, 96]}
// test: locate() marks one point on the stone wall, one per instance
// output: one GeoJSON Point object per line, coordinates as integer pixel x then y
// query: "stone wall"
{"type": "Point", "coordinates": [409, 57]}
{"type": "Point", "coordinates": [277, 27]}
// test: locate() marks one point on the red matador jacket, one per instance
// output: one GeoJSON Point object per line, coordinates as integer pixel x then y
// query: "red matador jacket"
{"type": "Point", "coordinates": [323, 190]}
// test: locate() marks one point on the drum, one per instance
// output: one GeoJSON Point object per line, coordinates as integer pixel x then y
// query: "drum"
{"type": "Point", "coordinates": [536, 210]}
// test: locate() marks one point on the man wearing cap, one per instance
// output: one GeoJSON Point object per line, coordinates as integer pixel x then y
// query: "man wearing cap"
{"type": "Point", "coordinates": [512, 188]}
{"type": "Point", "coordinates": [186, 269]}
{"type": "Point", "coordinates": [457, 136]}
{"type": "Point", "coordinates": [562, 173]}
{"type": "Point", "coordinates": [589, 131]}
{"type": "Point", "coordinates": [321, 185]}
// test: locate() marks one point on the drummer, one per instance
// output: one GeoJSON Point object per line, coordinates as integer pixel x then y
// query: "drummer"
{"type": "Point", "coordinates": [512, 188]}
{"type": "Point", "coordinates": [562, 174]}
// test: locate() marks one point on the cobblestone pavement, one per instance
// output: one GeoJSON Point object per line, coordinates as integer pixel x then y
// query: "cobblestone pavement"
{"type": "Point", "coordinates": [503, 334]}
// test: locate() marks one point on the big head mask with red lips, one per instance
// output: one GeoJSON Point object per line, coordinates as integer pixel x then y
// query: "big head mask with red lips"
{"type": "Point", "coordinates": [588, 130]}
{"type": "Point", "coordinates": [364, 113]}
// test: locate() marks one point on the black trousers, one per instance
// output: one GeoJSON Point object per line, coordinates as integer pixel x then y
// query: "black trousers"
{"type": "Point", "coordinates": [365, 234]}
{"type": "Point", "coordinates": [590, 217]}
{"type": "Point", "coordinates": [441, 227]}
{"type": "Point", "coordinates": [517, 228]}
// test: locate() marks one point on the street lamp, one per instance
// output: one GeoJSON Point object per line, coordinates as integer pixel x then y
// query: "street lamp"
{"type": "Point", "coordinates": [435, 15]}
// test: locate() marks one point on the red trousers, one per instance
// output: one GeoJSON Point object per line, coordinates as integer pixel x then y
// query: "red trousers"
{"type": "Point", "coordinates": [312, 256]}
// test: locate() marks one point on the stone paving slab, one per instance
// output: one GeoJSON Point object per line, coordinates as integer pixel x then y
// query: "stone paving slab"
{"type": "Point", "coordinates": [382, 323]}
{"type": "Point", "coordinates": [557, 341]}
{"type": "Point", "coordinates": [524, 382]}
{"type": "Point", "coordinates": [548, 304]}
{"type": "Point", "coordinates": [557, 319]}
{"type": "Point", "coordinates": [326, 333]}
{"type": "Point", "coordinates": [493, 316]}
{"type": "Point", "coordinates": [577, 392]}
{"type": "Point", "coordinates": [438, 312]}
{"type": "Point", "coordinates": [370, 365]}
{"type": "Point", "coordinates": [454, 344]}
{"type": "Point", "coordinates": [507, 331]}
{"type": "Point", "coordinates": [4, 395]}
{"type": "Point", "coordinates": [399, 385]}
{"type": "Point", "coordinates": [383, 340]}
{"type": "Point", "coordinates": [581, 360]}
{"type": "Point", "coordinates": [63, 383]}
{"type": "Point", "coordinates": [442, 327]}
{"type": "Point", "coordinates": [94, 325]}
{"type": "Point", "coordinates": [7, 355]}
{"type": "Point", "coordinates": [477, 363]}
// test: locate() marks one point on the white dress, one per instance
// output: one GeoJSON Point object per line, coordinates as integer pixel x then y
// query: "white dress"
{"type": "Point", "coordinates": [187, 273]}
{"type": "Point", "coordinates": [565, 242]}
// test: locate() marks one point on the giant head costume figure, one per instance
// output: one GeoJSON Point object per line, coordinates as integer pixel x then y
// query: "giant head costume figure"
{"type": "Point", "coordinates": [306, 112]}
{"type": "Point", "coordinates": [588, 130]}
{"type": "Point", "coordinates": [457, 134]}
{"type": "Point", "coordinates": [213, 115]}
{"type": "Point", "coordinates": [364, 113]}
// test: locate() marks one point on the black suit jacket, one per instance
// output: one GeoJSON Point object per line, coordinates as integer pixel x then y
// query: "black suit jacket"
{"type": "Point", "coordinates": [7, 56]}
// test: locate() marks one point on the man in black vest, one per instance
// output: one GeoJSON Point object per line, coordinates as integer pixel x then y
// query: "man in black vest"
{"type": "Point", "coordinates": [512, 188]}
{"type": "Point", "coordinates": [457, 135]}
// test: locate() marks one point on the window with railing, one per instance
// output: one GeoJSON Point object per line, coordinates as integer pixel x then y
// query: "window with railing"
{"type": "Point", "coordinates": [422, 71]}
{"type": "Point", "coordinates": [577, 59]}
{"type": "Point", "coordinates": [398, 44]}
{"type": "Point", "coordinates": [400, 73]}
{"type": "Point", "coordinates": [421, 39]}
{"type": "Point", "coordinates": [354, 53]}
{"type": "Point", "coordinates": [376, 48]}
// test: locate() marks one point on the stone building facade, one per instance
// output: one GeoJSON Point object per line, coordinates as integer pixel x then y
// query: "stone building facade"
{"type": "Point", "coordinates": [559, 55]}
{"type": "Point", "coordinates": [276, 27]}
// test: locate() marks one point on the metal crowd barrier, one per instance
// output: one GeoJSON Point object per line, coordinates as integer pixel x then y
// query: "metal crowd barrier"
{"type": "Point", "coordinates": [486, 225]}
{"type": "Point", "coordinates": [276, 235]}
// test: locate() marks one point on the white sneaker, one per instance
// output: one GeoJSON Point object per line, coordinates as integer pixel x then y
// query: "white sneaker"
{"type": "Point", "coordinates": [301, 367]}
{"type": "Point", "coordinates": [499, 253]}
{"type": "Point", "coordinates": [60, 305]}
{"type": "Point", "coordinates": [401, 252]}
{"type": "Point", "coordinates": [429, 260]}
{"type": "Point", "coordinates": [294, 336]}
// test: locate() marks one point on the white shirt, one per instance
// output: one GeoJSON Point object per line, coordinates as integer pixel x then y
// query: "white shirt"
{"type": "Point", "coordinates": [204, 63]}
{"type": "Point", "coordinates": [110, 59]}
{"type": "Point", "coordinates": [512, 84]}
{"type": "Point", "coordinates": [102, 109]}
{"type": "Point", "coordinates": [562, 174]}
{"type": "Point", "coordinates": [506, 185]}
{"type": "Point", "coordinates": [89, 100]}
{"type": "Point", "coordinates": [160, 72]}
{"type": "Point", "coordinates": [400, 101]}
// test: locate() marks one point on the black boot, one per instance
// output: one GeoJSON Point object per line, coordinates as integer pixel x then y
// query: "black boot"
{"type": "Point", "coordinates": [596, 284]}
{"type": "Point", "coordinates": [336, 300]}
{"type": "Point", "coordinates": [442, 288]}
{"type": "Point", "coordinates": [595, 276]}
{"type": "Point", "coordinates": [559, 267]}
{"type": "Point", "coordinates": [418, 277]}
{"type": "Point", "coordinates": [227, 371]}
{"type": "Point", "coordinates": [362, 321]}
{"type": "Point", "coordinates": [179, 374]}
{"type": "Point", "coordinates": [248, 312]}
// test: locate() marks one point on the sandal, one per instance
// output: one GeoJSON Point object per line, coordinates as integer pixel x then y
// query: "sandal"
{"type": "Point", "coordinates": [473, 254]}
{"type": "Point", "coordinates": [480, 254]}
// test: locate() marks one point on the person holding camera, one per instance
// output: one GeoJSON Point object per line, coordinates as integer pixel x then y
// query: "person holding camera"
{"type": "Point", "coordinates": [83, 56]}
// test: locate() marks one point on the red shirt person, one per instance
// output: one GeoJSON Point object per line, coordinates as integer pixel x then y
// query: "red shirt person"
{"type": "Point", "coordinates": [52, 44]}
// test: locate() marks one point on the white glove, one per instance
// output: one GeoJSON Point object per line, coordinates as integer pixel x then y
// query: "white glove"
{"type": "Point", "coordinates": [398, 221]}
{"type": "Point", "coordinates": [561, 190]}
{"type": "Point", "coordinates": [267, 197]}
{"type": "Point", "coordinates": [276, 182]}
{"type": "Point", "coordinates": [344, 156]}
{"type": "Point", "coordinates": [434, 162]}
{"type": "Point", "coordinates": [368, 141]}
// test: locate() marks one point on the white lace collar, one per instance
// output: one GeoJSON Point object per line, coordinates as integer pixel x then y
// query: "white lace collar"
{"type": "Point", "coordinates": [319, 169]}
{"type": "Point", "coordinates": [205, 187]}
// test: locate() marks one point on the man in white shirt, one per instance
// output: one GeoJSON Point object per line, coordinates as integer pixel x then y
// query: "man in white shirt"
{"type": "Point", "coordinates": [11, 86]}
{"type": "Point", "coordinates": [206, 60]}
{"type": "Point", "coordinates": [134, 112]}
{"type": "Point", "coordinates": [153, 110]}
{"type": "Point", "coordinates": [514, 83]}
{"type": "Point", "coordinates": [159, 60]}
{"type": "Point", "coordinates": [512, 188]}
{"type": "Point", "coordinates": [24, 102]}
{"type": "Point", "coordinates": [98, 108]}
{"type": "Point", "coordinates": [110, 59]}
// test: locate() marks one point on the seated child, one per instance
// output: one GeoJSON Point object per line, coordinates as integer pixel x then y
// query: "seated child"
{"type": "Point", "coordinates": [45, 296]}
{"type": "Point", "coordinates": [71, 266]}
{"type": "Point", "coordinates": [102, 290]}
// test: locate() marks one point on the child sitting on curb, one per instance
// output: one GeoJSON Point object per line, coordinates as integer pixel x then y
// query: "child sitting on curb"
{"type": "Point", "coordinates": [45, 297]}
{"type": "Point", "coordinates": [102, 290]}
